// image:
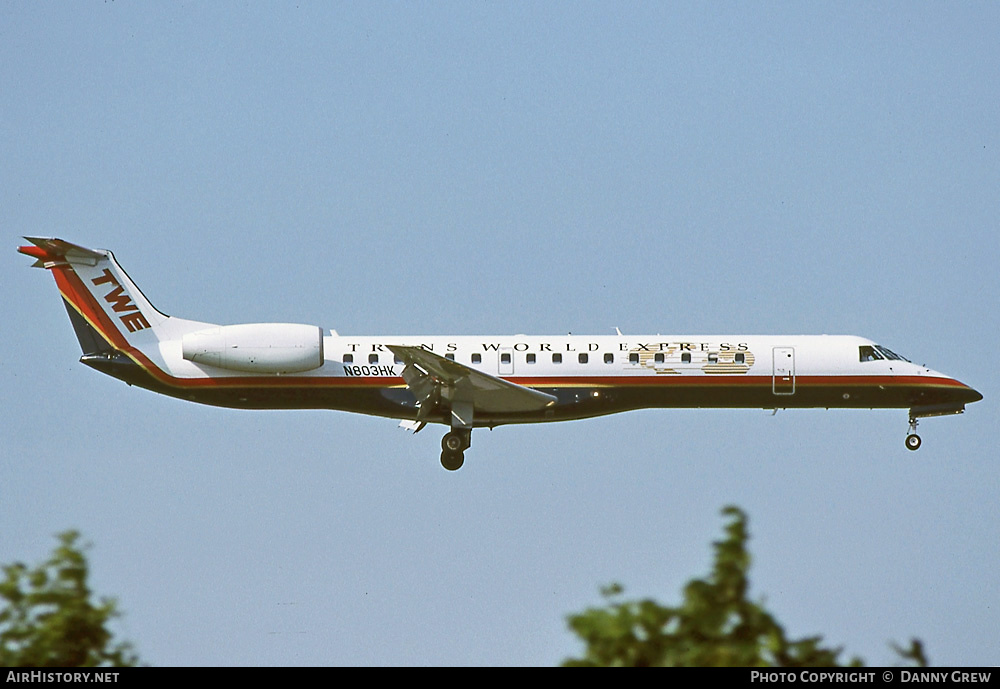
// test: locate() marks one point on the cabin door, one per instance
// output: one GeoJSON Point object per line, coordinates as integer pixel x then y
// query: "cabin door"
{"type": "Point", "coordinates": [783, 382]}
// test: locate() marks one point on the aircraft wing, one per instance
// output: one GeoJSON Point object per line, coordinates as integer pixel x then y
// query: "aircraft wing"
{"type": "Point", "coordinates": [432, 377]}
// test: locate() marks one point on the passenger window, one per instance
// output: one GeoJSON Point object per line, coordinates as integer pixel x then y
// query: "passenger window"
{"type": "Point", "coordinates": [686, 358]}
{"type": "Point", "coordinates": [557, 358]}
{"type": "Point", "coordinates": [582, 358]}
{"type": "Point", "coordinates": [477, 358]}
{"type": "Point", "coordinates": [505, 358]}
{"type": "Point", "coordinates": [373, 358]}
{"type": "Point", "coordinates": [450, 356]}
{"type": "Point", "coordinates": [609, 358]}
{"type": "Point", "coordinates": [348, 358]}
{"type": "Point", "coordinates": [658, 358]}
{"type": "Point", "coordinates": [397, 360]}
{"type": "Point", "coordinates": [633, 358]}
{"type": "Point", "coordinates": [741, 358]}
{"type": "Point", "coordinates": [713, 358]}
{"type": "Point", "coordinates": [530, 358]}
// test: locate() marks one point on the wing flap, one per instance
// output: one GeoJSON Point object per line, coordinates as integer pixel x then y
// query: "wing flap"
{"type": "Point", "coordinates": [427, 374]}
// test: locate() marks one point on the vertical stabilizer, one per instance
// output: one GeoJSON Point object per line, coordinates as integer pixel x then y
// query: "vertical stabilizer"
{"type": "Point", "coordinates": [107, 309]}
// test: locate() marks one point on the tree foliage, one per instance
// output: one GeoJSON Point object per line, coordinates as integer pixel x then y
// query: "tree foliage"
{"type": "Point", "coordinates": [48, 618]}
{"type": "Point", "coordinates": [715, 625]}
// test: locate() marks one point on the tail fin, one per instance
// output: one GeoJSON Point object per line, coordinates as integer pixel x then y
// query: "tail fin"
{"type": "Point", "coordinates": [106, 308]}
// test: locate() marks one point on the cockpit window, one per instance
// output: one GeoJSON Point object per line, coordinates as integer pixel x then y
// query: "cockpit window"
{"type": "Point", "coordinates": [869, 353]}
{"type": "Point", "coordinates": [878, 353]}
{"type": "Point", "coordinates": [889, 354]}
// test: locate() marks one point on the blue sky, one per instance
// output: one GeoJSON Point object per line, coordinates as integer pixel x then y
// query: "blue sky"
{"type": "Point", "coordinates": [470, 168]}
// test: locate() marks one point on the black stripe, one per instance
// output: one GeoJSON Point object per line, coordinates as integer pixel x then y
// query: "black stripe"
{"type": "Point", "coordinates": [91, 341]}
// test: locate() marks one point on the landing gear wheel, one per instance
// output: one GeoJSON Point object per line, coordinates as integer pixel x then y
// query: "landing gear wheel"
{"type": "Point", "coordinates": [452, 460]}
{"type": "Point", "coordinates": [455, 441]}
{"type": "Point", "coordinates": [913, 441]}
{"type": "Point", "coordinates": [453, 446]}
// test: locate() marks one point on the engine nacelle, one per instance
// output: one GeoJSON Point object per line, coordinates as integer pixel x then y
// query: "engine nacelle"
{"type": "Point", "coordinates": [257, 347]}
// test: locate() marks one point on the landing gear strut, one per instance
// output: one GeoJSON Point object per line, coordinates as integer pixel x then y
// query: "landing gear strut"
{"type": "Point", "coordinates": [453, 447]}
{"type": "Point", "coordinates": [913, 440]}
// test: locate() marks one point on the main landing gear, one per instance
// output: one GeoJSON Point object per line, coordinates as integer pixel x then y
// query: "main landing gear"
{"type": "Point", "coordinates": [453, 447]}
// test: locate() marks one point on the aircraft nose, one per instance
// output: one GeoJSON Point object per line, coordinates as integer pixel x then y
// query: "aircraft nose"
{"type": "Point", "coordinates": [962, 393]}
{"type": "Point", "coordinates": [970, 395]}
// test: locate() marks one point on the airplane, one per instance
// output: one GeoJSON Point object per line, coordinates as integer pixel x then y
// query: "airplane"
{"type": "Point", "coordinates": [467, 382]}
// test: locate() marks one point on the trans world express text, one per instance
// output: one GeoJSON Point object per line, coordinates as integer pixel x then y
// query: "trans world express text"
{"type": "Point", "coordinates": [591, 347]}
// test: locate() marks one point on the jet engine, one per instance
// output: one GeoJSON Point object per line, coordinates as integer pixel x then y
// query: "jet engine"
{"type": "Point", "coordinates": [257, 347]}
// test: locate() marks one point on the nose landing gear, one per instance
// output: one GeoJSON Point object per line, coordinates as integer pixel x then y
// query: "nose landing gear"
{"type": "Point", "coordinates": [921, 412]}
{"type": "Point", "coordinates": [913, 440]}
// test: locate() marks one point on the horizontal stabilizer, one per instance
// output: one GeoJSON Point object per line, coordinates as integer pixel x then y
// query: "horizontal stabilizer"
{"type": "Point", "coordinates": [51, 252]}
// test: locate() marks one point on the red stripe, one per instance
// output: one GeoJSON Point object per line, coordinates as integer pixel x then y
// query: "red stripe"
{"type": "Point", "coordinates": [36, 252]}
{"type": "Point", "coordinates": [622, 382]}
{"type": "Point", "coordinates": [740, 379]}
{"type": "Point", "coordinates": [74, 291]}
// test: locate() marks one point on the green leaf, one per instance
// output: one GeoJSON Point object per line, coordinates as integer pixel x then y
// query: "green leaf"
{"type": "Point", "coordinates": [715, 624]}
{"type": "Point", "coordinates": [49, 618]}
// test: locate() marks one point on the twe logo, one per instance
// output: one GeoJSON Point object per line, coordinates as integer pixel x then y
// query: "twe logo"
{"type": "Point", "coordinates": [121, 303]}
